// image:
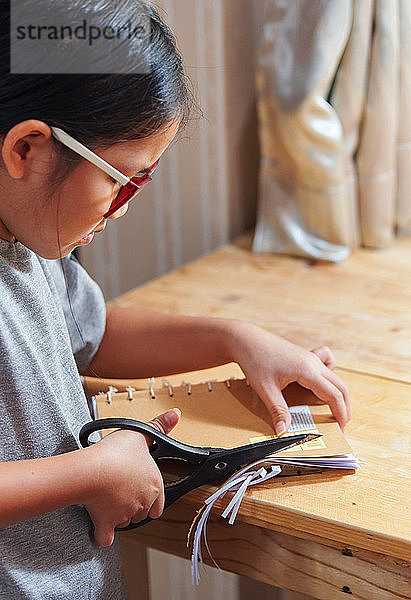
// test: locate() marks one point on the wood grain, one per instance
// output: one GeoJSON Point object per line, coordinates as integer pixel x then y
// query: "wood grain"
{"type": "Point", "coordinates": [282, 560]}
{"type": "Point", "coordinates": [360, 308]}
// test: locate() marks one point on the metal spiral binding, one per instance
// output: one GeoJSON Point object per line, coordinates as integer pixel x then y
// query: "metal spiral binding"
{"type": "Point", "coordinates": [188, 385]}
{"type": "Point", "coordinates": [111, 390]}
{"type": "Point", "coordinates": [208, 383]}
{"type": "Point", "coordinates": [130, 391]}
{"type": "Point", "coordinates": [167, 384]}
{"type": "Point", "coordinates": [151, 382]}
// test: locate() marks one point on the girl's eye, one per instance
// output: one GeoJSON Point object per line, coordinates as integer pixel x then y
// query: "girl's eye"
{"type": "Point", "coordinates": [113, 180]}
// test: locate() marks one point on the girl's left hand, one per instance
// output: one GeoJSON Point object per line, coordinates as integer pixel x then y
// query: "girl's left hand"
{"type": "Point", "coordinates": [270, 363]}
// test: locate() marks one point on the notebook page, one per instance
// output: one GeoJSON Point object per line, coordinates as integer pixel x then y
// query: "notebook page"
{"type": "Point", "coordinates": [228, 416]}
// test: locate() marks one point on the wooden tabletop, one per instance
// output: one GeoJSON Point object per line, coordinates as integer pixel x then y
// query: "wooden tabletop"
{"type": "Point", "coordinates": [362, 310]}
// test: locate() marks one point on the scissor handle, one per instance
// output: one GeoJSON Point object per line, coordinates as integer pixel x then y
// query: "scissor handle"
{"type": "Point", "coordinates": [163, 446]}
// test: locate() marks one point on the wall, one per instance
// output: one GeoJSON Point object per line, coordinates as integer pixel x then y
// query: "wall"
{"type": "Point", "coordinates": [204, 192]}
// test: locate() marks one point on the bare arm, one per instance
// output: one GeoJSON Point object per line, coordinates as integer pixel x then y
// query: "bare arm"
{"type": "Point", "coordinates": [141, 343]}
{"type": "Point", "coordinates": [32, 487]}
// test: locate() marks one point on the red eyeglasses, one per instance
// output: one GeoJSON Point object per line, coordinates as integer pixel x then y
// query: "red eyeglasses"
{"type": "Point", "coordinates": [130, 186]}
{"type": "Point", "coordinates": [130, 189]}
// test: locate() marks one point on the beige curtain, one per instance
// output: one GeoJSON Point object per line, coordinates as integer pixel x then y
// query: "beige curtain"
{"type": "Point", "coordinates": [333, 82]}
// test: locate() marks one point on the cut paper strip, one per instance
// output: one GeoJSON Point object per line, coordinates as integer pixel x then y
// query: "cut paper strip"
{"type": "Point", "coordinates": [238, 483]}
{"type": "Point", "coordinates": [346, 461]}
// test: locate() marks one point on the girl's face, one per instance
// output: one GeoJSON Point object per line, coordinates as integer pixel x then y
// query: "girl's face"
{"type": "Point", "coordinates": [53, 223]}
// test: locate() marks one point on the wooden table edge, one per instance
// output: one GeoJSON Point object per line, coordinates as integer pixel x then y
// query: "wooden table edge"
{"type": "Point", "coordinates": [306, 525]}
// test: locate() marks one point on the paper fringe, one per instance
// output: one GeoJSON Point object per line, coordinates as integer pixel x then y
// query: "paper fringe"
{"type": "Point", "coordinates": [238, 483]}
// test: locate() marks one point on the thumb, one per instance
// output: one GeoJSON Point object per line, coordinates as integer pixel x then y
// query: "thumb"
{"type": "Point", "coordinates": [166, 421]}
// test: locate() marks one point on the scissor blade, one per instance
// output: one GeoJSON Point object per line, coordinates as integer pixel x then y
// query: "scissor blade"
{"type": "Point", "coordinates": [243, 455]}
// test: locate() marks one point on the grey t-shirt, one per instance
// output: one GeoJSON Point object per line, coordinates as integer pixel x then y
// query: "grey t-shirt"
{"type": "Point", "coordinates": [42, 408]}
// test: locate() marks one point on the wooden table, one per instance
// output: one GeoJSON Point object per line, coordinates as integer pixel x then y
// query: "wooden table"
{"type": "Point", "coordinates": [330, 537]}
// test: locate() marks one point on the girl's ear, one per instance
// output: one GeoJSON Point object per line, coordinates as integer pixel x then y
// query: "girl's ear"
{"type": "Point", "coordinates": [19, 144]}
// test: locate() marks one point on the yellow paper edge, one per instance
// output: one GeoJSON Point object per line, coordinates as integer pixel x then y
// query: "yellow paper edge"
{"type": "Point", "coordinates": [312, 445]}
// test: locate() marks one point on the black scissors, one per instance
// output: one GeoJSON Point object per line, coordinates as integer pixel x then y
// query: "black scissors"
{"type": "Point", "coordinates": [209, 463]}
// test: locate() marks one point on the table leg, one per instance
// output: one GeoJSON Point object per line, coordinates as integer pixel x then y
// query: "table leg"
{"type": "Point", "coordinates": [135, 567]}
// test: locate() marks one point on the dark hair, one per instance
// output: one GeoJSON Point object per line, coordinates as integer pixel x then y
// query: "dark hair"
{"type": "Point", "coordinates": [101, 109]}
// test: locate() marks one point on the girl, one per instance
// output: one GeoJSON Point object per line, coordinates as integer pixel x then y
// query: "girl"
{"type": "Point", "coordinates": [59, 504]}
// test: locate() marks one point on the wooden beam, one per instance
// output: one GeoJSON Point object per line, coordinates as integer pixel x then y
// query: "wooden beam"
{"type": "Point", "coordinates": [323, 572]}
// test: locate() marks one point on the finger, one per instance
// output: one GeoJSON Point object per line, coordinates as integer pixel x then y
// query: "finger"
{"type": "Point", "coordinates": [277, 408]}
{"type": "Point", "coordinates": [325, 355]}
{"type": "Point", "coordinates": [124, 523]}
{"type": "Point", "coordinates": [326, 391]}
{"type": "Point", "coordinates": [157, 507]}
{"type": "Point", "coordinates": [165, 422]}
{"type": "Point", "coordinates": [139, 516]}
{"type": "Point", "coordinates": [104, 534]}
{"type": "Point", "coordinates": [339, 383]}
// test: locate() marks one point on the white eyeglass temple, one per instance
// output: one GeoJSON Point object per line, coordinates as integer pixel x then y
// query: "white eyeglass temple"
{"type": "Point", "coordinates": [70, 142]}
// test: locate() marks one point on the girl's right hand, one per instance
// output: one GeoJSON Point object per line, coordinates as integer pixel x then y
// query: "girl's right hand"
{"type": "Point", "coordinates": [126, 484]}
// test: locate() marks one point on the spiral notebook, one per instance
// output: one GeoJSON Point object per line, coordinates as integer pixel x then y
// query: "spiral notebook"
{"type": "Point", "coordinates": [229, 413]}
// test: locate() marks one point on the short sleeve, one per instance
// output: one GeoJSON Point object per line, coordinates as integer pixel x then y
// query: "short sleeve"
{"type": "Point", "coordinates": [83, 306]}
